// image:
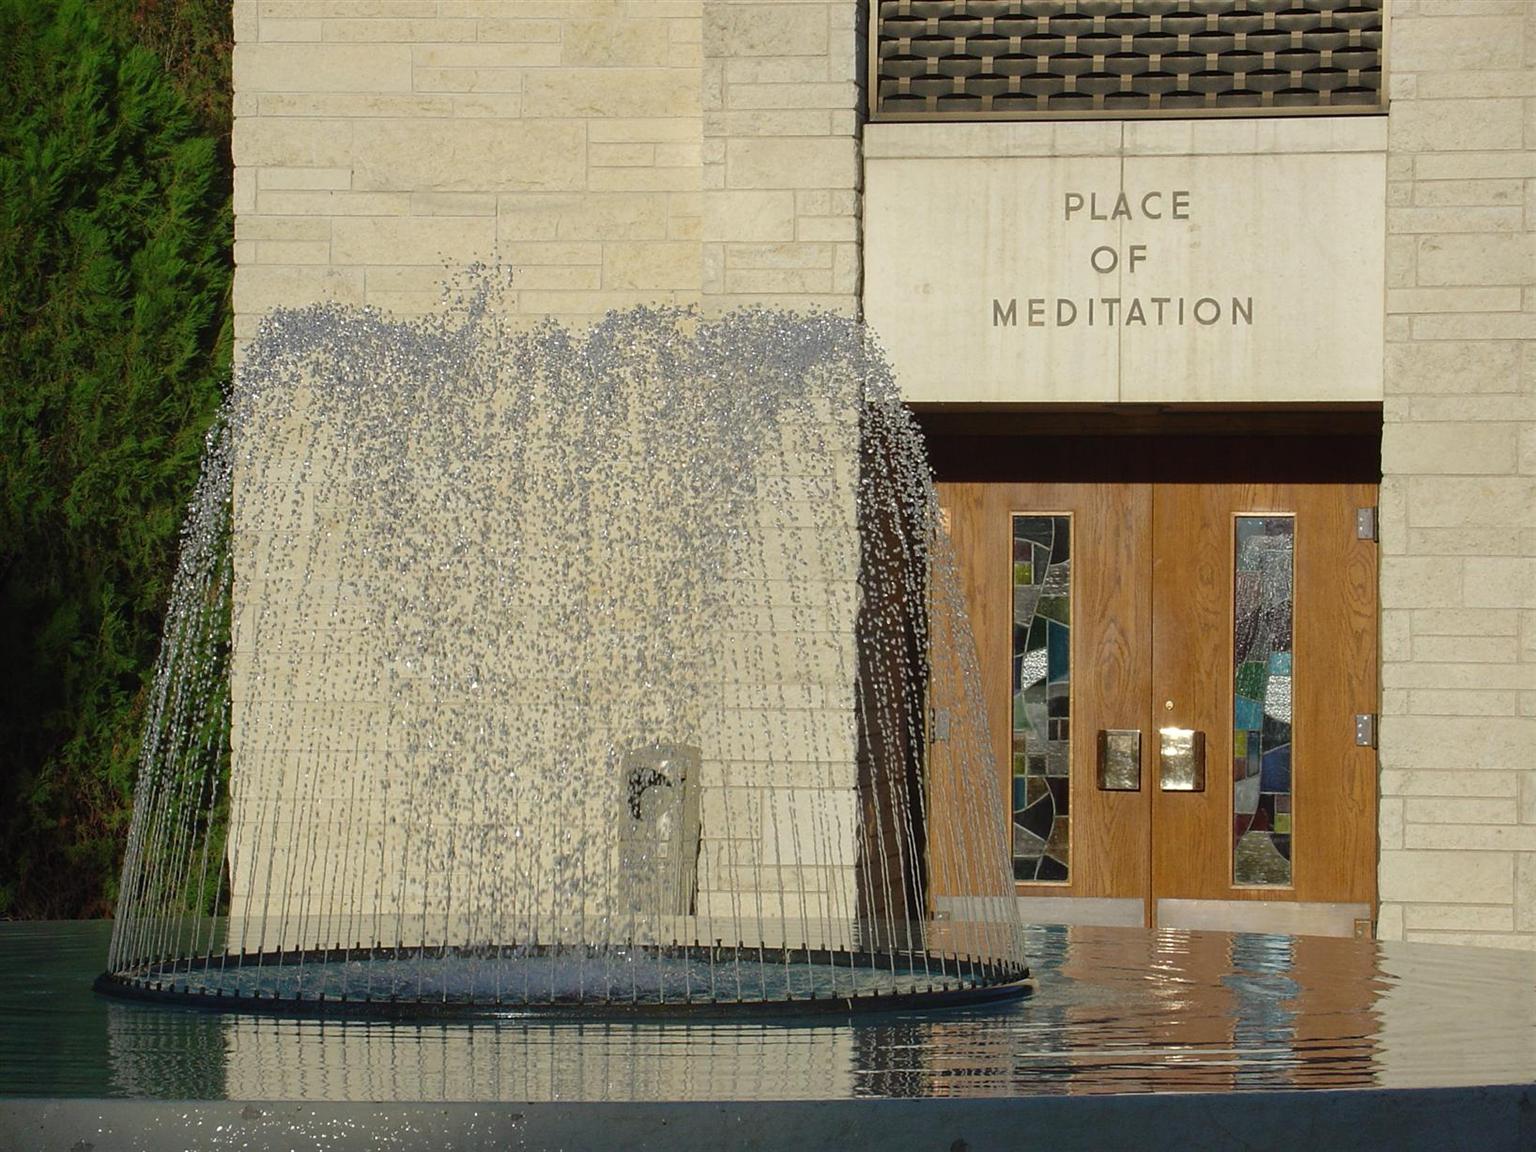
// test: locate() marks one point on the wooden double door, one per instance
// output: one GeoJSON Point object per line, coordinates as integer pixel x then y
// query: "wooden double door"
{"type": "Point", "coordinates": [1177, 639]}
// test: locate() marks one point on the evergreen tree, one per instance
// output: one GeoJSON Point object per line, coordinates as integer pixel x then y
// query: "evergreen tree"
{"type": "Point", "coordinates": [114, 343]}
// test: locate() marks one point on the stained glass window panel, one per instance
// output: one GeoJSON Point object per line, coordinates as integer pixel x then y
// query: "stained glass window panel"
{"type": "Point", "coordinates": [1263, 598]}
{"type": "Point", "coordinates": [1042, 696]}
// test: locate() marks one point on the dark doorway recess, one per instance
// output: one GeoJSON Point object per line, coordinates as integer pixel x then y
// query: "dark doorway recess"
{"type": "Point", "coordinates": [1143, 443]}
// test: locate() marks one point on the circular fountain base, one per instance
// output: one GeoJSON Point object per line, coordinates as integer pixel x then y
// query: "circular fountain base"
{"type": "Point", "coordinates": [540, 981]}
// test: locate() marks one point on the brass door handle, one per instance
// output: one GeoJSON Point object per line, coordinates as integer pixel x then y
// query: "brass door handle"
{"type": "Point", "coordinates": [1119, 759]}
{"type": "Point", "coordinates": [1181, 760]}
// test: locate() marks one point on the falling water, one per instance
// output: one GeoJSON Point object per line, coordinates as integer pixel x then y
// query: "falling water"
{"type": "Point", "coordinates": [510, 667]}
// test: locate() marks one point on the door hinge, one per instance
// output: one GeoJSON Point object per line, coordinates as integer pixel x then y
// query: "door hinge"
{"type": "Point", "coordinates": [1366, 527]}
{"type": "Point", "coordinates": [1365, 729]}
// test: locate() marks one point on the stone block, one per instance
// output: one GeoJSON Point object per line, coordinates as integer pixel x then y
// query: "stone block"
{"type": "Point", "coordinates": [336, 9]}
{"type": "Point", "coordinates": [769, 122]}
{"type": "Point", "coordinates": [753, 281]}
{"type": "Point", "coordinates": [444, 241]}
{"type": "Point", "coordinates": [1476, 878]}
{"type": "Point", "coordinates": [1439, 783]}
{"type": "Point", "coordinates": [778, 255]}
{"type": "Point", "coordinates": [1402, 253]}
{"type": "Point", "coordinates": [831, 95]}
{"type": "Point", "coordinates": [322, 68]}
{"type": "Point", "coordinates": [1463, 43]}
{"type": "Point", "coordinates": [400, 31]}
{"type": "Point", "coordinates": [453, 204]}
{"type": "Point", "coordinates": [1396, 635]}
{"type": "Point", "coordinates": [1463, 542]}
{"type": "Point", "coordinates": [473, 156]}
{"type": "Point", "coordinates": [289, 252]}
{"type": "Point", "coordinates": [506, 54]}
{"type": "Point", "coordinates": [260, 289]}
{"type": "Point", "coordinates": [1470, 648]}
{"type": "Point", "coordinates": [289, 31]}
{"type": "Point", "coordinates": [1444, 702]}
{"type": "Point", "coordinates": [262, 141]}
{"type": "Point", "coordinates": [1390, 824]}
{"type": "Point", "coordinates": [586, 217]}
{"type": "Point", "coordinates": [634, 266]}
{"type": "Point", "coordinates": [772, 162]}
{"type": "Point", "coordinates": [1448, 449]}
{"type": "Point", "coordinates": [1464, 810]}
{"type": "Point", "coordinates": [1413, 582]}
{"type": "Point", "coordinates": [625, 92]}
{"type": "Point", "coordinates": [621, 155]}
{"type": "Point", "coordinates": [249, 226]}
{"type": "Point", "coordinates": [827, 228]}
{"type": "Point", "coordinates": [527, 29]}
{"type": "Point", "coordinates": [1466, 622]}
{"type": "Point", "coordinates": [1475, 166]}
{"type": "Point", "coordinates": [1474, 259]}
{"type": "Point", "coordinates": [614, 43]}
{"type": "Point", "coordinates": [1444, 677]}
{"type": "Point", "coordinates": [623, 130]}
{"type": "Point", "coordinates": [776, 70]}
{"type": "Point", "coordinates": [322, 203]}
{"type": "Point", "coordinates": [1455, 501]}
{"type": "Point", "coordinates": [644, 179]}
{"type": "Point", "coordinates": [748, 216]}
{"type": "Point", "coordinates": [1403, 221]}
{"type": "Point", "coordinates": [1467, 366]}
{"type": "Point", "coordinates": [483, 81]}
{"type": "Point", "coordinates": [1462, 407]}
{"type": "Point", "coordinates": [1492, 838]}
{"type": "Point", "coordinates": [690, 155]}
{"type": "Point", "coordinates": [1456, 126]}
{"type": "Point", "coordinates": [550, 254]}
{"type": "Point", "coordinates": [344, 105]}
{"type": "Point", "coordinates": [735, 30]}
{"type": "Point", "coordinates": [1476, 326]}
{"type": "Point", "coordinates": [1446, 193]}
{"type": "Point", "coordinates": [304, 178]}
{"type": "Point", "coordinates": [1462, 917]}
{"type": "Point", "coordinates": [1500, 582]}
{"type": "Point", "coordinates": [1469, 742]}
{"type": "Point", "coordinates": [1418, 300]}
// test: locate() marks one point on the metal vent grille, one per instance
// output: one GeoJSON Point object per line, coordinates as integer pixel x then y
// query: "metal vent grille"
{"type": "Point", "coordinates": [1019, 59]}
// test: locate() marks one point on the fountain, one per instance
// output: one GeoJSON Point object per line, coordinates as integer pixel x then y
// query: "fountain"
{"type": "Point", "coordinates": [519, 671]}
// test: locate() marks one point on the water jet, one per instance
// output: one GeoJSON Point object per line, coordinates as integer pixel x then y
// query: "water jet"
{"type": "Point", "coordinates": [523, 671]}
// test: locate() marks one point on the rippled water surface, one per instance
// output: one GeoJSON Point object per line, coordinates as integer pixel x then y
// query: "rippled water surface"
{"type": "Point", "coordinates": [1114, 1010]}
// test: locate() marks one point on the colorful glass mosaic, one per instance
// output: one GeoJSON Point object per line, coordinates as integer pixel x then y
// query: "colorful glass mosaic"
{"type": "Point", "coordinates": [1261, 699]}
{"type": "Point", "coordinates": [1042, 696]}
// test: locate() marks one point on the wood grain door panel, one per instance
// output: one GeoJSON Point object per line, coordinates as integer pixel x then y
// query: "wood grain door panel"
{"type": "Point", "coordinates": [1152, 647]}
{"type": "Point", "coordinates": [1111, 617]}
{"type": "Point", "coordinates": [1334, 677]}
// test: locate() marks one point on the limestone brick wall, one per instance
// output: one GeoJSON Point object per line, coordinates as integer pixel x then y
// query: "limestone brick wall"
{"type": "Point", "coordinates": [610, 152]}
{"type": "Point", "coordinates": [1458, 578]}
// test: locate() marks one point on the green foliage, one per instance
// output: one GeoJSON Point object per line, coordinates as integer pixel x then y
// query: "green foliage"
{"type": "Point", "coordinates": [114, 343]}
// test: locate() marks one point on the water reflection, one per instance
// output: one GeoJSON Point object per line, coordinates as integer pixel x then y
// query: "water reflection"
{"type": "Point", "coordinates": [1114, 1011]}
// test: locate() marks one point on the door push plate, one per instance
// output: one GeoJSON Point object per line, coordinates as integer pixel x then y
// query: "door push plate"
{"type": "Point", "coordinates": [1182, 758]}
{"type": "Point", "coordinates": [1120, 759]}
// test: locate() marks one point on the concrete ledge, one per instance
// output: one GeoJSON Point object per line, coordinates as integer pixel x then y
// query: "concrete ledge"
{"type": "Point", "coordinates": [1276, 135]}
{"type": "Point", "coordinates": [1490, 1118]}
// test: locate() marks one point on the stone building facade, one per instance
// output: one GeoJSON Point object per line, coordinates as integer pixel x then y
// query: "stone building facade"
{"type": "Point", "coordinates": [728, 152]}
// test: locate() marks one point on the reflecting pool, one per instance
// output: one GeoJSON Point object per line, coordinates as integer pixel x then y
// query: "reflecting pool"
{"type": "Point", "coordinates": [1113, 1011]}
